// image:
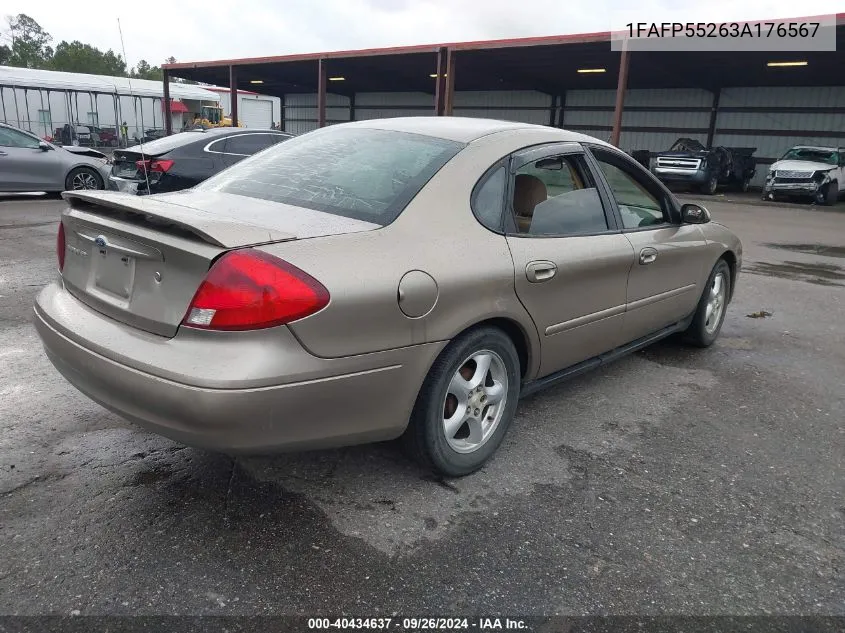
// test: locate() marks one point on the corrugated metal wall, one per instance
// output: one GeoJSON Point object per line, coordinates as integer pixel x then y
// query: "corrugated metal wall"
{"type": "Point", "coordinates": [770, 119]}
{"type": "Point", "coordinates": [654, 118]}
{"type": "Point", "coordinates": [523, 105]}
{"type": "Point", "coordinates": [301, 111]}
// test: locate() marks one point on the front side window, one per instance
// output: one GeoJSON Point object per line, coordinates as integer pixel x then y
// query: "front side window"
{"type": "Point", "coordinates": [360, 173]}
{"type": "Point", "coordinates": [14, 138]}
{"type": "Point", "coordinates": [557, 196]}
{"type": "Point", "coordinates": [638, 204]}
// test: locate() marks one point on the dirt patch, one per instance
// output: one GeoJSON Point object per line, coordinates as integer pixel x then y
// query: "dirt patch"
{"type": "Point", "coordinates": [812, 249]}
{"type": "Point", "coordinates": [820, 274]}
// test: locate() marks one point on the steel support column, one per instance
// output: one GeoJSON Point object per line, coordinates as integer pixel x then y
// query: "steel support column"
{"type": "Point", "coordinates": [440, 82]}
{"type": "Point", "coordinates": [233, 94]}
{"type": "Point", "coordinates": [168, 122]}
{"type": "Point", "coordinates": [26, 105]}
{"type": "Point", "coordinates": [621, 87]}
{"type": "Point", "coordinates": [561, 106]}
{"type": "Point", "coordinates": [449, 92]}
{"type": "Point", "coordinates": [714, 112]}
{"type": "Point", "coordinates": [282, 112]}
{"type": "Point", "coordinates": [352, 107]}
{"type": "Point", "coordinates": [321, 93]}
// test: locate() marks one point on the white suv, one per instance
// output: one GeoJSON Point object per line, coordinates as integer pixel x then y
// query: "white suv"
{"type": "Point", "coordinates": [814, 172]}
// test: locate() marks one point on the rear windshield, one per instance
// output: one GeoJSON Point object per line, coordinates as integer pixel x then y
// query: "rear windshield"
{"type": "Point", "coordinates": [357, 173]}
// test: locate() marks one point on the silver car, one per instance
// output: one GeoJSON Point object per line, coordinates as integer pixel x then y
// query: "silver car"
{"type": "Point", "coordinates": [28, 163]}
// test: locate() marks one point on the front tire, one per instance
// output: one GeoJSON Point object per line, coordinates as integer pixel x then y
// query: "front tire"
{"type": "Point", "coordinates": [710, 186]}
{"type": "Point", "coordinates": [710, 313]}
{"type": "Point", "coordinates": [83, 179]}
{"type": "Point", "coordinates": [829, 195]}
{"type": "Point", "coordinates": [466, 404]}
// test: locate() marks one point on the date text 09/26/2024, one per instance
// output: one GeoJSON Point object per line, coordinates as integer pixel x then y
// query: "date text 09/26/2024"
{"type": "Point", "coordinates": [407, 625]}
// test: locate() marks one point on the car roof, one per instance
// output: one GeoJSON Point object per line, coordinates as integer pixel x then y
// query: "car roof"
{"type": "Point", "coordinates": [464, 129]}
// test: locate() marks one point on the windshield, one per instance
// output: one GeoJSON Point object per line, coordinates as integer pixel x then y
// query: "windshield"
{"type": "Point", "coordinates": [687, 145]}
{"type": "Point", "coordinates": [812, 154]}
{"type": "Point", "coordinates": [358, 173]}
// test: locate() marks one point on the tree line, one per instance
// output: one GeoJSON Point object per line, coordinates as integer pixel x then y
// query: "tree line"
{"type": "Point", "coordinates": [23, 43]}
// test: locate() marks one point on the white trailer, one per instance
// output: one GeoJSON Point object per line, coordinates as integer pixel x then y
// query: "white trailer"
{"type": "Point", "coordinates": [61, 106]}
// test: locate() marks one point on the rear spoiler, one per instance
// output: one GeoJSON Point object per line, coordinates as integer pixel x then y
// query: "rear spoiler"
{"type": "Point", "coordinates": [214, 230]}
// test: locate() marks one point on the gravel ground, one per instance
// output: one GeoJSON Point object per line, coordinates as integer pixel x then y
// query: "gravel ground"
{"type": "Point", "coordinates": [675, 481]}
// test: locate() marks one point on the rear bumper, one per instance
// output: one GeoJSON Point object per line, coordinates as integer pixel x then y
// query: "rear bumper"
{"type": "Point", "coordinates": [255, 393]}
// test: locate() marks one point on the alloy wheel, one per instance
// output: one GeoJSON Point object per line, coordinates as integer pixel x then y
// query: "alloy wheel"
{"type": "Point", "coordinates": [475, 401]}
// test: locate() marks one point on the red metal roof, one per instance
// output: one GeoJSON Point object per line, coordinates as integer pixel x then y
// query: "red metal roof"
{"type": "Point", "coordinates": [576, 38]}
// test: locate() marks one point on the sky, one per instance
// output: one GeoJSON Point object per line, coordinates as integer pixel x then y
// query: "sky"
{"type": "Point", "coordinates": [220, 29]}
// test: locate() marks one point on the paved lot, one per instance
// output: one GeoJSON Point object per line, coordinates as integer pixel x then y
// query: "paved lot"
{"type": "Point", "coordinates": [674, 481]}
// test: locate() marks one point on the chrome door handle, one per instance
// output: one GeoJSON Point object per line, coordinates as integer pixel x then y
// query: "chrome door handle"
{"type": "Point", "coordinates": [540, 271]}
{"type": "Point", "coordinates": [647, 256]}
{"type": "Point", "coordinates": [3, 153]}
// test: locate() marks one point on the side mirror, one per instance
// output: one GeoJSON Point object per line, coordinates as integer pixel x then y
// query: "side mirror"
{"type": "Point", "coordinates": [694, 214]}
{"type": "Point", "coordinates": [44, 147]}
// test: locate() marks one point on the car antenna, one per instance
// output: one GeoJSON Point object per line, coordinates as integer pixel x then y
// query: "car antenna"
{"type": "Point", "coordinates": [132, 94]}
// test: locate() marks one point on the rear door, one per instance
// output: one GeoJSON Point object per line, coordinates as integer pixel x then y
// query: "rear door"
{"type": "Point", "coordinates": [24, 166]}
{"type": "Point", "coordinates": [663, 285]}
{"type": "Point", "coordinates": [571, 261]}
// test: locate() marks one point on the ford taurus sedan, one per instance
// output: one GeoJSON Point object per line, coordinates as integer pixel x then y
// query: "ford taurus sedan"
{"type": "Point", "coordinates": [405, 277]}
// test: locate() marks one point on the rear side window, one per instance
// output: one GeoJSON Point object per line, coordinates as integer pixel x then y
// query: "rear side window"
{"type": "Point", "coordinates": [249, 144]}
{"type": "Point", "coordinates": [364, 174]}
{"type": "Point", "coordinates": [489, 197]}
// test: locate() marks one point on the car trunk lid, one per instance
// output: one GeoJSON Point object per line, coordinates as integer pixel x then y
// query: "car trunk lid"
{"type": "Point", "coordinates": [140, 260]}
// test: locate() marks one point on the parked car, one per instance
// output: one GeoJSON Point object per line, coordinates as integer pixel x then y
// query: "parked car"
{"type": "Point", "coordinates": [689, 162]}
{"type": "Point", "coordinates": [807, 171]}
{"type": "Point", "coordinates": [400, 277]}
{"type": "Point", "coordinates": [29, 163]}
{"type": "Point", "coordinates": [104, 136]}
{"type": "Point", "coordinates": [83, 135]}
{"type": "Point", "coordinates": [185, 159]}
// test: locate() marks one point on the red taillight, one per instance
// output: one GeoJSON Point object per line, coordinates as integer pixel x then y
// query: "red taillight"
{"type": "Point", "coordinates": [249, 289]}
{"type": "Point", "coordinates": [60, 246]}
{"type": "Point", "coordinates": [160, 166]}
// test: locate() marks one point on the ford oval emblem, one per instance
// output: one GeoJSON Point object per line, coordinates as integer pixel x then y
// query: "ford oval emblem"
{"type": "Point", "coordinates": [100, 241]}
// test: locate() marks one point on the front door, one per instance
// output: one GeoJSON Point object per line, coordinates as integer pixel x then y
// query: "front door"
{"type": "Point", "coordinates": [668, 256]}
{"type": "Point", "coordinates": [24, 166]}
{"type": "Point", "coordinates": [571, 262]}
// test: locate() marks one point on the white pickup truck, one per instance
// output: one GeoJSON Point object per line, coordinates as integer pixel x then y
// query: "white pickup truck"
{"type": "Point", "coordinates": [808, 171]}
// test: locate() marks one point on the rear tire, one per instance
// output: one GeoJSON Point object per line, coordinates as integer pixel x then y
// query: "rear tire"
{"type": "Point", "coordinates": [83, 179]}
{"type": "Point", "coordinates": [466, 404]}
{"type": "Point", "coordinates": [710, 313]}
